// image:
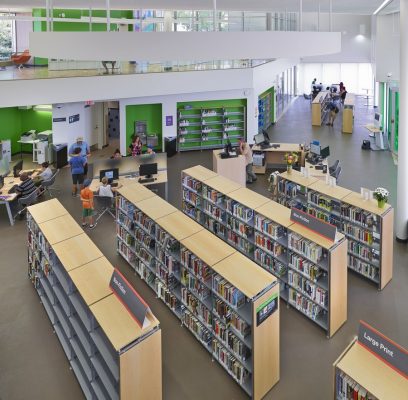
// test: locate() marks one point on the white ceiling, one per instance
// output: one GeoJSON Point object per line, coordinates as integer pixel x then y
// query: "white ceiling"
{"type": "Point", "coordinates": [339, 6]}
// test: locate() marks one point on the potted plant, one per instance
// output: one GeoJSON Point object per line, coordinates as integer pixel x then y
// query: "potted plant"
{"type": "Point", "coordinates": [290, 158]}
{"type": "Point", "coordinates": [381, 195]}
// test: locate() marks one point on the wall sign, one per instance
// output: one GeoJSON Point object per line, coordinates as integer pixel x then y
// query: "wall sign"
{"type": "Point", "coordinates": [60, 119]}
{"type": "Point", "coordinates": [73, 118]}
{"type": "Point", "coordinates": [266, 309]}
{"type": "Point", "coordinates": [315, 224]}
{"type": "Point", "coordinates": [129, 298]}
{"type": "Point", "coordinates": [169, 120]}
{"type": "Point", "coordinates": [391, 353]}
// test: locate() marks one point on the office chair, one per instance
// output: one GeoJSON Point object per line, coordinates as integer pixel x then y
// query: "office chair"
{"type": "Point", "coordinates": [334, 166]}
{"type": "Point", "coordinates": [48, 185]}
{"type": "Point", "coordinates": [105, 204]}
{"type": "Point", "coordinates": [336, 173]}
{"type": "Point", "coordinates": [24, 202]}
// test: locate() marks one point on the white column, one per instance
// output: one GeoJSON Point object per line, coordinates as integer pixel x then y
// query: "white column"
{"type": "Point", "coordinates": [401, 219]}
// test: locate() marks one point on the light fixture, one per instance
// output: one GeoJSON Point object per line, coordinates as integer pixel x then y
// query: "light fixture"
{"type": "Point", "coordinates": [383, 5]}
{"type": "Point", "coordinates": [43, 107]}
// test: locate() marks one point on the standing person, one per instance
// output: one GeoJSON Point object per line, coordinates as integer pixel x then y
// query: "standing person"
{"type": "Point", "coordinates": [247, 152]}
{"type": "Point", "coordinates": [334, 110]}
{"type": "Point", "coordinates": [341, 86]}
{"type": "Point", "coordinates": [136, 146]}
{"type": "Point", "coordinates": [343, 93]}
{"type": "Point", "coordinates": [87, 197]}
{"type": "Point", "coordinates": [85, 152]}
{"type": "Point", "coordinates": [77, 163]}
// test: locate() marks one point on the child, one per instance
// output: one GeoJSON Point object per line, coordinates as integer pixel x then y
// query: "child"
{"type": "Point", "coordinates": [87, 204]}
{"type": "Point", "coordinates": [105, 189]}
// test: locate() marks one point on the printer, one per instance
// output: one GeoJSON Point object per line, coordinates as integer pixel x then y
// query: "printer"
{"type": "Point", "coordinates": [45, 136]}
{"type": "Point", "coordinates": [28, 136]}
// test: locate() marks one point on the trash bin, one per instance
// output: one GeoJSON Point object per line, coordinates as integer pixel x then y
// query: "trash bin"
{"type": "Point", "coordinates": [170, 145]}
{"type": "Point", "coordinates": [60, 154]}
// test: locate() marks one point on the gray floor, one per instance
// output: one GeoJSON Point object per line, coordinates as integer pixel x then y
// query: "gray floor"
{"type": "Point", "coordinates": [33, 364]}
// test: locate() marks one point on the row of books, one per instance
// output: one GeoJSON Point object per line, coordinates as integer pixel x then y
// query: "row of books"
{"type": "Point", "coordinates": [166, 241]}
{"type": "Point", "coordinates": [127, 253]}
{"type": "Point", "coordinates": [302, 284]}
{"type": "Point", "coordinates": [214, 211]}
{"type": "Point", "coordinates": [364, 252]}
{"type": "Point", "coordinates": [143, 237]}
{"type": "Point", "coordinates": [362, 217]}
{"type": "Point", "coordinates": [238, 210]}
{"type": "Point", "coordinates": [214, 226]}
{"type": "Point", "coordinates": [232, 343]}
{"type": "Point", "coordinates": [194, 285]}
{"type": "Point", "coordinates": [358, 233]}
{"type": "Point", "coordinates": [192, 183]}
{"type": "Point", "coordinates": [323, 201]}
{"type": "Point", "coordinates": [168, 297]}
{"type": "Point", "coordinates": [126, 206]}
{"type": "Point", "coordinates": [143, 254]}
{"type": "Point", "coordinates": [196, 307]}
{"type": "Point", "coordinates": [199, 269]}
{"type": "Point", "coordinates": [169, 261]}
{"type": "Point", "coordinates": [125, 236]}
{"type": "Point", "coordinates": [191, 211]}
{"type": "Point", "coordinates": [269, 263]}
{"type": "Point", "coordinates": [143, 220]}
{"type": "Point", "coordinates": [306, 267]}
{"type": "Point", "coordinates": [348, 389]}
{"type": "Point", "coordinates": [269, 244]}
{"type": "Point", "coordinates": [126, 221]}
{"type": "Point", "coordinates": [213, 195]}
{"type": "Point", "coordinates": [290, 189]}
{"type": "Point", "coordinates": [362, 267]}
{"type": "Point", "coordinates": [308, 248]}
{"type": "Point", "coordinates": [228, 292]}
{"type": "Point", "coordinates": [237, 226]}
{"type": "Point", "coordinates": [201, 332]}
{"type": "Point", "coordinates": [271, 228]}
{"type": "Point", "coordinates": [192, 197]}
{"type": "Point", "coordinates": [242, 244]}
{"type": "Point", "coordinates": [308, 307]}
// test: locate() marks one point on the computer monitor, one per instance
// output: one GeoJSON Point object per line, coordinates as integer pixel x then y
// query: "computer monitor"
{"type": "Point", "coordinates": [148, 170]}
{"type": "Point", "coordinates": [377, 120]}
{"type": "Point", "coordinates": [259, 138]}
{"type": "Point", "coordinates": [112, 174]}
{"type": "Point", "coordinates": [324, 153]}
{"type": "Point", "coordinates": [315, 148]}
{"type": "Point", "coordinates": [18, 167]}
{"type": "Point", "coordinates": [228, 147]}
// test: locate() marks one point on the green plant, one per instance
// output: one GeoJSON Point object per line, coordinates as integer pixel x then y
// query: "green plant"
{"type": "Point", "coordinates": [291, 158]}
{"type": "Point", "coordinates": [381, 194]}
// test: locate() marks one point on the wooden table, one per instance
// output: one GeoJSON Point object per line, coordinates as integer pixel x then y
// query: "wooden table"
{"type": "Point", "coordinates": [233, 168]}
{"type": "Point", "coordinates": [274, 157]}
{"type": "Point", "coordinates": [6, 198]}
{"type": "Point", "coordinates": [318, 173]}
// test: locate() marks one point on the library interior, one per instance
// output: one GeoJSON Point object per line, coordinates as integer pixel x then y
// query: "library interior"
{"type": "Point", "coordinates": [220, 211]}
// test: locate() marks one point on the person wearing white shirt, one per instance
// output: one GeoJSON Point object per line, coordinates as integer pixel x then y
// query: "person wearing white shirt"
{"type": "Point", "coordinates": [105, 190]}
{"type": "Point", "coordinates": [246, 151]}
{"type": "Point", "coordinates": [46, 172]}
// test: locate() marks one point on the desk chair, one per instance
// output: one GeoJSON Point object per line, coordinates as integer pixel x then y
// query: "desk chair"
{"type": "Point", "coordinates": [24, 202]}
{"type": "Point", "coordinates": [336, 173]}
{"type": "Point", "coordinates": [334, 167]}
{"type": "Point", "coordinates": [48, 185]}
{"type": "Point", "coordinates": [104, 204]}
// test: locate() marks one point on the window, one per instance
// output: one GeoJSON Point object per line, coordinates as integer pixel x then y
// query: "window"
{"type": "Point", "coordinates": [6, 37]}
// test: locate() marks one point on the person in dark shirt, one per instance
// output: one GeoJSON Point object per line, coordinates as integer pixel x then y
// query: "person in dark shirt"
{"type": "Point", "coordinates": [26, 187]}
{"type": "Point", "coordinates": [77, 163]}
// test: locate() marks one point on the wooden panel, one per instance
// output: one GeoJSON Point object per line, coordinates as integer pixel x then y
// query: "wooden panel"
{"type": "Point", "coordinates": [204, 240]}
{"type": "Point", "coordinates": [244, 274]}
{"type": "Point", "coordinates": [248, 198]}
{"type": "Point", "coordinates": [316, 114]}
{"type": "Point", "coordinates": [141, 370]}
{"type": "Point", "coordinates": [117, 323]}
{"type": "Point", "coordinates": [336, 192]}
{"type": "Point", "coordinates": [338, 287]}
{"type": "Point", "coordinates": [135, 192]}
{"type": "Point", "coordinates": [315, 237]}
{"type": "Point", "coordinates": [373, 374]}
{"type": "Point", "coordinates": [76, 251]}
{"type": "Point", "coordinates": [266, 344]}
{"type": "Point", "coordinates": [156, 207]}
{"type": "Point", "coordinates": [61, 228]}
{"type": "Point", "coordinates": [179, 225]}
{"type": "Point", "coordinates": [387, 245]}
{"type": "Point", "coordinates": [356, 200]}
{"type": "Point", "coordinates": [297, 177]}
{"type": "Point", "coordinates": [231, 168]}
{"type": "Point", "coordinates": [283, 148]}
{"type": "Point", "coordinates": [199, 172]}
{"type": "Point", "coordinates": [222, 184]}
{"type": "Point", "coordinates": [348, 113]}
{"type": "Point", "coordinates": [92, 280]}
{"type": "Point", "coordinates": [275, 212]}
{"type": "Point", "coordinates": [47, 210]}
{"type": "Point", "coordinates": [321, 96]}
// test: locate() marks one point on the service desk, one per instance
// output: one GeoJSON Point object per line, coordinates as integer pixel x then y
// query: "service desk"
{"type": "Point", "coordinates": [232, 168]}
{"type": "Point", "coordinates": [275, 157]}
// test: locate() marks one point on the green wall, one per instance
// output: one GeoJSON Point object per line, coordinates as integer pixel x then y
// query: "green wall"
{"type": "Point", "coordinates": [41, 26]}
{"type": "Point", "coordinates": [152, 113]}
{"type": "Point", "coordinates": [14, 121]}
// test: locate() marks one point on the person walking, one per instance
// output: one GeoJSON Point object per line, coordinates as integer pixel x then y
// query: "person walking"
{"type": "Point", "coordinates": [334, 110]}
{"type": "Point", "coordinates": [77, 163]}
{"type": "Point", "coordinates": [85, 151]}
{"type": "Point", "coordinates": [246, 151]}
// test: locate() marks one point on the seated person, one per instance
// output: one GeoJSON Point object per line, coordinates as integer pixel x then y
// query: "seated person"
{"type": "Point", "coordinates": [105, 189]}
{"type": "Point", "coordinates": [116, 154]}
{"type": "Point", "coordinates": [44, 175]}
{"type": "Point", "coordinates": [150, 150]}
{"type": "Point", "coordinates": [26, 187]}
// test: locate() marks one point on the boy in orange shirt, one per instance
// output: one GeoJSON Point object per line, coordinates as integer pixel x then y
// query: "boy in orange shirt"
{"type": "Point", "coordinates": [87, 204]}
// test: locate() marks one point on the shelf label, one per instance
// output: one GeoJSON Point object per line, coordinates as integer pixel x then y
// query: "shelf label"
{"type": "Point", "coordinates": [391, 353]}
{"type": "Point", "coordinates": [128, 296]}
{"type": "Point", "coordinates": [315, 224]}
{"type": "Point", "coordinates": [266, 309]}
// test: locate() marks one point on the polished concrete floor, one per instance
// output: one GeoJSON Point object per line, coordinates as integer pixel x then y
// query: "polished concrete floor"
{"type": "Point", "coordinates": [33, 364]}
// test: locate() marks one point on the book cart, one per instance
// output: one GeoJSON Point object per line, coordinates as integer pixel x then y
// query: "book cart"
{"type": "Point", "coordinates": [102, 341]}
{"type": "Point", "coordinates": [226, 301]}
{"type": "Point", "coordinates": [312, 269]}
{"type": "Point", "coordinates": [369, 229]}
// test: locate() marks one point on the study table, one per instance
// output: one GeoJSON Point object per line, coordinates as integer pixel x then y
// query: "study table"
{"type": "Point", "coordinates": [378, 135]}
{"type": "Point", "coordinates": [6, 198]}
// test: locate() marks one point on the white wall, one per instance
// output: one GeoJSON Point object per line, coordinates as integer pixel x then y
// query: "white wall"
{"type": "Point", "coordinates": [64, 132]}
{"type": "Point", "coordinates": [387, 52]}
{"type": "Point", "coordinates": [355, 48]}
{"type": "Point", "coordinates": [23, 29]}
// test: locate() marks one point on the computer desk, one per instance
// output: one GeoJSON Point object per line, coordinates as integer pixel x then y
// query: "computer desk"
{"type": "Point", "coordinates": [160, 179]}
{"type": "Point", "coordinates": [6, 198]}
{"type": "Point", "coordinates": [378, 135]}
{"type": "Point", "coordinates": [275, 157]}
{"type": "Point", "coordinates": [317, 173]}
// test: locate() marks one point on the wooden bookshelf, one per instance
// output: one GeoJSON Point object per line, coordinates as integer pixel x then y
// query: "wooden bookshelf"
{"type": "Point", "coordinates": [369, 373]}
{"type": "Point", "coordinates": [334, 204]}
{"type": "Point", "coordinates": [315, 287]}
{"type": "Point", "coordinates": [319, 108]}
{"type": "Point", "coordinates": [348, 113]}
{"type": "Point", "coordinates": [187, 268]}
{"type": "Point", "coordinates": [105, 347]}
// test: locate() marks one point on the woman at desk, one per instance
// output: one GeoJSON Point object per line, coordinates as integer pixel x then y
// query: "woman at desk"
{"type": "Point", "coordinates": [136, 146]}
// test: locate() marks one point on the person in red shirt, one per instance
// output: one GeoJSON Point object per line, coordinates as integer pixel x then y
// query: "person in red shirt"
{"type": "Point", "coordinates": [87, 204]}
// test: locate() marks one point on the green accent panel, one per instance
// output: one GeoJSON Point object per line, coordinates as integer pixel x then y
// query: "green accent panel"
{"type": "Point", "coordinates": [13, 122]}
{"type": "Point", "coordinates": [266, 108]}
{"type": "Point", "coordinates": [389, 114]}
{"type": "Point", "coordinates": [151, 113]}
{"type": "Point", "coordinates": [396, 120]}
